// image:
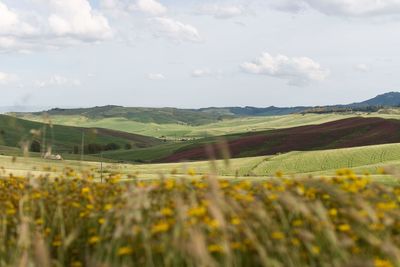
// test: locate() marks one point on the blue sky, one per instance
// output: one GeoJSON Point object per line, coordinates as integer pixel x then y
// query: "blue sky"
{"type": "Point", "coordinates": [197, 53]}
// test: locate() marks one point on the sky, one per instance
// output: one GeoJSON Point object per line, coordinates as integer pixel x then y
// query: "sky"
{"type": "Point", "coordinates": [197, 53]}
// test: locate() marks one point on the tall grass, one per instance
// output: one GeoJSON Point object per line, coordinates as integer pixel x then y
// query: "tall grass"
{"type": "Point", "coordinates": [70, 221]}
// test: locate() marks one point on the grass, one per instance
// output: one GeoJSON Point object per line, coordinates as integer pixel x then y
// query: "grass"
{"type": "Point", "coordinates": [73, 221]}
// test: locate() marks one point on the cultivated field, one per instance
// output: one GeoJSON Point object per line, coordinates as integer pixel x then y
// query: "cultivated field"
{"type": "Point", "coordinates": [369, 159]}
{"type": "Point", "coordinates": [228, 126]}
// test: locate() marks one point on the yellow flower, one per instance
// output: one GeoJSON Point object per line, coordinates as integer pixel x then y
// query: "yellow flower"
{"type": "Point", "coordinates": [101, 221]}
{"type": "Point", "coordinates": [56, 243]}
{"type": "Point", "coordinates": [333, 212]}
{"type": "Point", "coordinates": [94, 240]}
{"type": "Point", "coordinates": [85, 190]}
{"type": "Point", "coordinates": [124, 251]}
{"type": "Point", "coordinates": [167, 212]}
{"type": "Point", "coordinates": [297, 223]}
{"type": "Point", "coordinates": [39, 221]}
{"type": "Point", "coordinates": [215, 248]}
{"type": "Point", "coordinates": [197, 211]}
{"type": "Point", "coordinates": [160, 227]}
{"type": "Point", "coordinates": [192, 172]}
{"type": "Point", "coordinates": [279, 174]}
{"type": "Point", "coordinates": [278, 235]}
{"type": "Point", "coordinates": [235, 221]}
{"type": "Point", "coordinates": [315, 250]}
{"type": "Point", "coordinates": [169, 184]}
{"type": "Point", "coordinates": [382, 263]}
{"type": "Point", "coordinates": [108, 207]}
{"type": "Point", "coordinates": [344, 228]}
{"type": "Point", "coordinates": [295, 242]}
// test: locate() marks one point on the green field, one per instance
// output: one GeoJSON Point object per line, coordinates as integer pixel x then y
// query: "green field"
{"type": "Point", "coordinates": [15, 132]}
{"type": "Point", "coordinates": [369, 159]}
{"type": "Point", "coordinates": [229, 126]}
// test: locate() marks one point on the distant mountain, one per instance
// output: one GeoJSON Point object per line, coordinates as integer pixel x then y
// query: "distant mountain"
{"type": "Point", "coordinates": [391, 99]}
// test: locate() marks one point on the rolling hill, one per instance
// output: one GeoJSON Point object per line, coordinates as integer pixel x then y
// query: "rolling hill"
{"type": "Point", "coordinates": [203, 116]}
{"type": "Point", "coordinates": [63, 139]}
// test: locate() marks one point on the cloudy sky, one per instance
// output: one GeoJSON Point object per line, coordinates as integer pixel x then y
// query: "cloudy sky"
{"type": "Point", "coordinates": [197, 53]}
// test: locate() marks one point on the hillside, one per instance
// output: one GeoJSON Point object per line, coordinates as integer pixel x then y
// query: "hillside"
{"type": "Point", "coordinates": [203, 116]}
{"type": "Point", "coordinates": [351, 132]}
{"type": "Point", "coordinates": [144, 115]}
{"type": "Point", "coordinates": [391, 99]}
{"type": "Point", "coordinates": [13, 131]}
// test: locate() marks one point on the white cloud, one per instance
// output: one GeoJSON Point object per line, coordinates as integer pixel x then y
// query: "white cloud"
{"type": "Point", "coordinates": [206, 72]}
{"type": "Point", "coordinates": [6, 78]}
{"type": "Point", "coordinates": [221, 11]}
{"type": "Point", "coordinates": [51, 24]}
{"type": "Point", "coordinates": [361, 67]}
{"type": "Point", "coordinates": [198, 73]}
{"type": "Point", "coordinates": [156, 76]}
{"type": "Point", "coordinates": [76, 18]}
{"type": "Point", "coordinates": [175, 30]}
{"type": "Point", "coordinates": [351, 8]}
{"type": "Point", "coordinates": [150, 7]}
{"type": "Point", "coordinates": [296, 71]}
{"type": "Point", "coordinates": [12, 24]}
{"type": "Point", "coordinates": [57, 80]}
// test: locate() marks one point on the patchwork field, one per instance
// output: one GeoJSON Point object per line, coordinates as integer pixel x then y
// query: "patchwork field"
{"type": "Point", "coordinates": [349, 132]}
{"type": "Point", "coordinates": [175, 131]}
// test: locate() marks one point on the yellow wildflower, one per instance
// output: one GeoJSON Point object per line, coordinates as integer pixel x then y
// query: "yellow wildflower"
{"type": "Point", "coordinates": [160, 227]}
{"type": "Point", "coordinates": [94, 240]}
{"type": "Point", "coordinates": [124, 251]}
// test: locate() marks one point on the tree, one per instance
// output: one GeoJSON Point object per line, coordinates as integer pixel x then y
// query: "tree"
{"type": "Point", "coordinates": [128, 146]}
{"type": "Point", "coordinates": [111, 146]}
{"type": "Point", "coordinates": [35, 146]}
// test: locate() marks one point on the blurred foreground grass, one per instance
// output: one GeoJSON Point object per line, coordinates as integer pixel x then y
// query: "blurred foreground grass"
{"type": "Point", "coordinates": [73, 220]}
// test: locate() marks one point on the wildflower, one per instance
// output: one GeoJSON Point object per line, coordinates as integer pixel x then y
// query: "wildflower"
{"type": "Point", "coordinates": [39, 221]}
{"type": "Point", "coordinates": [235, 221]}
{"type": "Point", "coordinates": [192, 172]}
{"type": "Point", "coordinates": [56, 243]}
{"type": "Point", "coordinates": [124, 251]}
{"type": "Point", "coordinates": [215, 248]}
{"type": "Point", "coordinates": [94, 240]}
{"type": "Point", "coordinates": [160, 227]}
{"type": "Point", "coordinates": [169, 184]}
{"type": "Point", "coordinates": [295, 242]}
{"type": "Point", "coordinates": [101, 221]}
{"type": "Point", "coordinates": [382, 263]}
{"type": "Point", "coordinates": [315, 250]}
{"type": "Point", "coordinates": [333, 212]}
{"type": "Point", "coordinates": [85, 190]}
{"type": "Point", "coordinates": [197, 211]}
{"type": "Point", "coordinates": [297, 223]}
{"type": "Point", "coordinates": [108, 207]}
{"type": "Point", "coordinates": [167, 212]}
{"type": "Point", "coordinates": [278, 235]}
{"type": "Point", "coordinates": [344, 228]}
